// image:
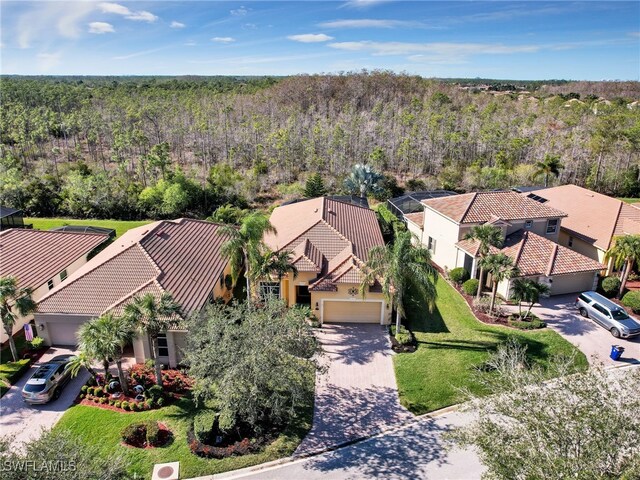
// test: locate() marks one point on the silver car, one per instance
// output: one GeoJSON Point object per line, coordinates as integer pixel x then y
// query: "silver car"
{"type": "Point", "coordinates": [608, 314]}
{"type": "Point", "coordinates": [48, 380]}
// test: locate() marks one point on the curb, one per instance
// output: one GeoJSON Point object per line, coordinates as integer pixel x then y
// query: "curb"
{"type": "Point", "coordinates": [240, 473]}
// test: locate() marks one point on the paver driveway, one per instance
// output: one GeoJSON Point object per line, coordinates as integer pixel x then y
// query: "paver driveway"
{"type": "Point", "coordinates": [357, 396]}
{"type": "Point", "coordinates": [24, 422]}
{"type": "Point", "coordinates": [594, 341]}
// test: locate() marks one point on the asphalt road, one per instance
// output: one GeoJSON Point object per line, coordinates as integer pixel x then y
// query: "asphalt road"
{"type": "Point", "coordinates": [23, 422]}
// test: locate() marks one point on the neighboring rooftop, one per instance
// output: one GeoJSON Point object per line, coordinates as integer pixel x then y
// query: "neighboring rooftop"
{"type": "Point", "coordinates": [354, 199]}
{"type": "Point", "coordinates": [592, 216]}
{"type": "Point", "coordinates": [536, 255]}
{"type": "Point", "coordinates": [181, 257]}
{"type": "Point", "coordinates": [481, 207]}
{"type": "Point", "coordinates": [34, 256]}
{"type": "Point", "coordinates": [11, 218]}
{"type": "Point", "coordinates": [326, 236]}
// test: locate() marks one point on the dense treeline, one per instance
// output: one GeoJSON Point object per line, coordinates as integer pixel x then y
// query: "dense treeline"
{"type": "Point", "coordinates": [125, 147]}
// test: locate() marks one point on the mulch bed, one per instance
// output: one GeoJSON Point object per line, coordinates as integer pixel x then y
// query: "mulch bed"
{"type": "Point", "coordinates": [483, 317]}
{"type": "Point", "coordinates": [400, 348]}
{"type": "Point", "coordinates": [164, 437]}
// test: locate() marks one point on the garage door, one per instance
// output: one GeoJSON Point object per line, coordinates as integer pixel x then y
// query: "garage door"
{"type": "Point", "coordinates": [580, 282]}
{"type": "Point", "coordinates": [352, 311]}
{"type": "Point", "coordinates": [63, 333]}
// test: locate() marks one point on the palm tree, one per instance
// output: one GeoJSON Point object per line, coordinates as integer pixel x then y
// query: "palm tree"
{"type": "Point", "coordinates": [549, 166]}
{"type": "Point", "coordinates": [487, 236]}
{"type": "Point", "coordinates": [14, 301]}
{"type": "Point", "coordinates": [363, 180]}
{"type": "Point", "coordinates": [82, 360]}
{"type": "Point", "coordinates": [245, 244]}
{"type": "Point", "coordinates": [625, 251]}
{"type": "Point", "coordinates": [153, 317]}
{"type": "Point", "coordinates": [91, 341]}
{"type": "Point", "coordinates": [527, 290]}
{"type": "Point", "coordinates": [500, 267]}
{"type": "Point", "coordinates": [272, 263]}
{"type": "Point", "coordinates": [400, 266]}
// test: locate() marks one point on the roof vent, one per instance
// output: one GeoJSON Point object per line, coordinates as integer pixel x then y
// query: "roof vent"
{"type": "Point", "coordinates": [159, 234]}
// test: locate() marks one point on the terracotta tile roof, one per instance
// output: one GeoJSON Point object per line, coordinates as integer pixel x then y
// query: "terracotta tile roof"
{"type": "Point", "coordinates": [330, 231]}
{"type": "Point", "coordinates": [307, 258]}
{"type": "Point", "coordinates": [481, 207]}
{"type": "Point", "coordinates": [417, 218]}
{"type": "Point", "coordinates": [34, 256]}
{"type": "Point", "coordinates": [536, 255]}
{"type": "Point", "coordinates": [593, 217]}
{"type": "Point", "coordinates": [181, 257]}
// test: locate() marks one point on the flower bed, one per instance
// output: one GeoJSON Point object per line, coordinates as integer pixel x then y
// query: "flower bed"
{"type": "Point", "coordinates": [241, 447]}
{"type": "Point", "coordinates": [406, 343]}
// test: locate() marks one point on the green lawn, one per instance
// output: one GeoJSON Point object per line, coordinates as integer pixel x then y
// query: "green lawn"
{"type": "Point", "coordinates": [10, 373]}
{"type": "Point", "coordinates": [102, 428]}
{"type": "Point", "coordinates": [629, 200]}
{"type": "Point", "coordinates": [21, 345]}
{"type": "Point", "coordinates": [451, 343]}
{"type": "Point", "coordinates": [120, 226]}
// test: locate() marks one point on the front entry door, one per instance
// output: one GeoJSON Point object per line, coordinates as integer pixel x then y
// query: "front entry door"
{"type": "Point", "coordinates": [303, 297]}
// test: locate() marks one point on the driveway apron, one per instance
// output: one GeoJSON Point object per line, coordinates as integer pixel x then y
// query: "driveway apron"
{"type": "Point", "coordinates": [357, 395]}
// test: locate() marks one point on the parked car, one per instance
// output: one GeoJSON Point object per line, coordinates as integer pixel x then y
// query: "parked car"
{"type": "Point", "coordinates": [608, 314]}
{"type": "Point", "coordinates": [48, 380]}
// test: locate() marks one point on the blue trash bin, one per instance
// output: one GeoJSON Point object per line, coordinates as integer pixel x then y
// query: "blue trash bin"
{"type": "Point", "coordinates": [616, 352]}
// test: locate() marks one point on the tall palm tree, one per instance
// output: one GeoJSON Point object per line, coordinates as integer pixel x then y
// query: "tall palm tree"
{"type": "Point", "coordinates": [487, 236]}
{"type": "Point", "coordinates": [272, 263]}
{"type": "Point", "coordinates": [363, 180]}
{"type": "Point", "coordinates": [529, 291]}
{"type": "Point", "coordinates": [153, 317]}
{"type": "Point", "coordinates": [82, 360]}
{"type": "Point", "coordinates": [400, 266]}
{"type": "Point", "coordinates": [625, 251]}
{"type": "Point", "coordinates": [500, 267]}
{"type": "Point", "coordinates": [14, 301]}
{"type": "Point", "coordinates": [551, 165]}
{"type": "Point", "coordinates": [245, 244]}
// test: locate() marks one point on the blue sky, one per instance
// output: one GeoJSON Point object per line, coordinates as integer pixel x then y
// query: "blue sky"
{"type": "Point", "coordinates": [515, 40]}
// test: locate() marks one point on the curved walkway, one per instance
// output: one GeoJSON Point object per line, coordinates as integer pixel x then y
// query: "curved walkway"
{"type": "Point", "coordinates": [357, 395]}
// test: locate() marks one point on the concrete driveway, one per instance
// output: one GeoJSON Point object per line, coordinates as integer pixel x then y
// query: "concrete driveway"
{"type": "Point", "coordinates": [357, 396]}
{"type": "Point", "coordinates": [594, 341]}
{"type": "Point", "coordinates": [23, 422]}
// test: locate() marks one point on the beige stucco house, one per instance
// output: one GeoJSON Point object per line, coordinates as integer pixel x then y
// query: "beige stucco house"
{"type": "Point", "coordinates": [593, 219]}
{"type": "Point", "coordinates": [42, 260]}
{"type": "Point", "coordinates": [329, 242]}
{"type": "Point", "coordinates": [181, 257]}
{"type": "Point", "coordinates": [530, 230]}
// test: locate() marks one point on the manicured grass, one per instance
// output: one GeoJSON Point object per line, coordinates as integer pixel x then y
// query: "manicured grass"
{"type": "Point", "coordinates": [10, 373]}
{"type": "Point", "coordinates": [629, 200]}
{"type": "Point", "coordinates": [451, 342]}
{"type": "Point", "coordinates": [120, 226]}
{"type": "Point", "coordinates": [102, 428]}
{"type": "Point", "coordinates": [21, 346]}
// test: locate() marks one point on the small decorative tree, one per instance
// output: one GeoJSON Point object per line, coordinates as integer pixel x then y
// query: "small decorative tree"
{"type": "Point", "coordinates": [487, 236]}
{"type": "Point", "coordinates": [314, 186]}
{"type": "Point", "coordinates": [500, 267]}
{"type": "Point", "coordinates": [624, 252]}
{"type": "Point", "coordinates": [363, 180]}
{"type": "Point", "coordinates": [528, 291]}
{"type": "Point", "coordinates": [14, 300]}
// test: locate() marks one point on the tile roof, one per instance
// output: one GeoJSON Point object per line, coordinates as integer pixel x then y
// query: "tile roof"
{"type": "Point", "coordinates": [417, 218]}
{"type": "Point", "coordinates": [35, 256]}
{"type": "Point", "coordinates": [593, 217]}
{"type": "Point", "coordinates": [330, 232]}
{"type": "Point", "coordinates": [536, 255]}
{"type": "Point", "coordinates": [480, 207]}
{"type": "Point", "coordinates": [181, 257]}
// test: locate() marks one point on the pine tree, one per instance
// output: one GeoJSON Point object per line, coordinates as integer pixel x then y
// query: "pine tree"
{"type": "Point", "coordinates": [314, 186]}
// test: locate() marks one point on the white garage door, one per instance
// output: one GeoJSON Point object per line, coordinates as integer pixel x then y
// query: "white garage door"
{"type": "Point", "coordinates": [579, 282]}
{"type": "Point", "coordinates": [63, 333]}
{"type": "Point", "coordinates": [352, 311]}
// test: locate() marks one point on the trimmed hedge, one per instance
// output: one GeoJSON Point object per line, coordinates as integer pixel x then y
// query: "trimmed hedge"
{"type": "Point", "coordinates": [632, 300]}
{"type": "Point", "coordinates": [532, 324]}
{"type": "Point", "coordinates": [141, 434]}
{"type": "Point", "coordinates": [470, 287]}
{"type": "Point", "coordinates": [403, 337]}
{"type": "Point", "coordinates": [610, 286]}
{"type": "Point", "coordinates": [459, 275]}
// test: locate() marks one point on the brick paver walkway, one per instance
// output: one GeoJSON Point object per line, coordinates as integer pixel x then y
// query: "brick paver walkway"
{"type": "Point", "coordinates": [357, 395]}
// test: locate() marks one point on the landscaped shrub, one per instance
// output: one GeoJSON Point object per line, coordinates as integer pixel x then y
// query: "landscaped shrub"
{"type": "Point", "coordinates": [117, 404]}
{"type": "Point", "coordinates": [98, 392]}
{"type": "Point", "coordinates": [610, 286]}
{"type": "Point", "coordinates": [632, 300]}
{"type": "Point", "coordinates": [154, 393]}
{"type": "Point", "coordinates": [124, 405]}
{"type": "Point", "coordinates": [403, 337]}
{"type": "Point", "coordinates": [470, 287]}
{"type": "Point", "coordinates": [141, 434]}
{"type": "Point", "coordinates": [84, 389]}
{"type": "Point", "coordinates": [528, 324]}
{"type": "Point", "coordinates": [36, 343]}
{"type": "Point", "coordinates": [160, 402]}
{"type": "Point", "coordinates": [103, 400]}
{"type": "Point", "coordinates": [203, 424]}
{"type": "Point", "coordinates": [459, 275]}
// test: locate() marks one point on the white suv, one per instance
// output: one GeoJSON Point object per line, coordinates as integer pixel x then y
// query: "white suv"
{"type": "Point", "coordinates": [608, 314]}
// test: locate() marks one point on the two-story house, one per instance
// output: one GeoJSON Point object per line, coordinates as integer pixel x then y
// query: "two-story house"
{"type": "Point", "coordinates": [530, 231]}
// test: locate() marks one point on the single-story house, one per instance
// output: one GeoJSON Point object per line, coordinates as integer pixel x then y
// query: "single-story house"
{"type": "Point", "coordinates": [593, 219]}
{"type": "Point", "coordinates": [530, 230]}
{"type": "Point", "coordinates": [181, 257]}
{"type": "Point", "coordinates": [43, 260]}
{"type": "Point", "coordinates": [330, 242]}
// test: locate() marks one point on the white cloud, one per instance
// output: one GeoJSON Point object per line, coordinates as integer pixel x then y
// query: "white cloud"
{"type": "Point", "coordinates": [369, 23]}
{"type": "Point", "coordinates": [223, 39]}
{"type": "Point", "coordinates": [634, 34]}
{"type": "Point", "coordinates": [139, 54]}
{"type": "Point", "coordinates": [239, 12]}
{"type": "Point", "coordinates": [363, 3]}
{"type": "Point", "coordinates": [175, 24]}
{"type": "Point", "coordinates": [116, 8]}
{"type": "Point", "coordinates": [190, 44]}
{"type": "Point", "coordinates": [48, 18]}
{"type": "Point", "coordinates": [100, 28]}
{"type": "Point", "coordinates": [47, 61]}
{"type": "Point", "coordinates": [310, 38]}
